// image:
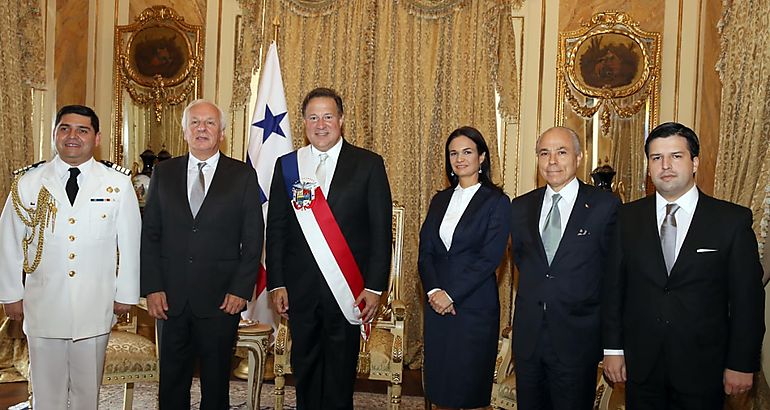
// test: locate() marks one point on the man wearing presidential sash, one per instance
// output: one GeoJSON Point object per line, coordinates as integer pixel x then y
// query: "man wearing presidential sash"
{"type": "Point", "coordinates": [328, 251]}
{"type": "Point", "coordinates": [69, 261]}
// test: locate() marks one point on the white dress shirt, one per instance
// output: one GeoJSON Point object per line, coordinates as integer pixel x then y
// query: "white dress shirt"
{"type": "Point", "coordinates": [208, 172]}
{"type": "Point", "coordinates": [461, 197]}
{"type": "Point", "coordinates": [330, 164]}
{"type": "Point", "coordinates": [568, 197]}
{"type": "Point", "coordinates": [687, 203]}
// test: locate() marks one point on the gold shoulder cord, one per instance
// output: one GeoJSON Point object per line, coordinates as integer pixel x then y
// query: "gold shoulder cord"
{"type": "Point", "coordinates": [35, 218]}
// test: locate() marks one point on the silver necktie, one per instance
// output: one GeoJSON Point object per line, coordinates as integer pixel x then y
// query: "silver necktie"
{"type": "Point", "coordinates": [320, 171]}
{"type": "Point", "coordinates": [668, 236]}
{"type": "Point", "coordinates": [552, 229]}
{"type": "Point", "coordinates": [198, 191]}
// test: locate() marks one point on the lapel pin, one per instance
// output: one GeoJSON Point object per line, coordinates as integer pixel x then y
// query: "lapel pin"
{"type": "Point", "coordinates": [587, 206]}
{"type": "Point", "coordinates": [109, 189]}
{"type": "Point", "coordinates": [117, 190]}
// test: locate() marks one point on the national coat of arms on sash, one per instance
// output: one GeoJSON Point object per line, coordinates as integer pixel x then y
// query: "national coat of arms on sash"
{"type": "Point", "coordinates": [303, 194]}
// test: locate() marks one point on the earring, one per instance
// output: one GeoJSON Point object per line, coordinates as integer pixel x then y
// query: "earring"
{"type": "Point", "coordinates": [479, 170]}
{"type": "Point", "coordinates": [452, 173]}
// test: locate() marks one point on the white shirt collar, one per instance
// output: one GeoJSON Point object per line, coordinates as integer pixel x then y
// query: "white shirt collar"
{"type": "Point", "coordinates": [62, 168]}
{"type": "Point", "coordinates": [568, 192]}
{"type": "Point", "coordinates": [212, 161]}
{"type": "Point", "coordinates": [688, 201]}
{"type": "Point", "coordinates": [470, 190]}
{"type": "Point", "coordinates": [333, 152]}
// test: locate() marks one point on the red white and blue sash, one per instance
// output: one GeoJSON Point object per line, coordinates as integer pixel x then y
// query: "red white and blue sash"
{"type": "Point", "coordinates": [323, 234]}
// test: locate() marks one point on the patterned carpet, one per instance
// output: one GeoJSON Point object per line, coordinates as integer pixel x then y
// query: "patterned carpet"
{"type": "Point", "coordinates": [111, 397]}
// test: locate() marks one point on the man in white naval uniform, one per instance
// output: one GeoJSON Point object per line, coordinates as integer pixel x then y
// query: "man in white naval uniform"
{"type": "Point", "coordinates": [80, 265]}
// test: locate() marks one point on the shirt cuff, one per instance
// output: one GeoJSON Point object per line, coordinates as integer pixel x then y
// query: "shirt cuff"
{"type": "Point", "coordinates": [434, 290]}
{"type": "Point", "coordinates": [376, 292]}
{"type": "Point", "coordinates": [274, 289]}
{"type": "Point", "coordinates": [613, 352]}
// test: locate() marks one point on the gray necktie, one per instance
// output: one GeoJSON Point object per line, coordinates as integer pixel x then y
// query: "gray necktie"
{"type": "Point", "coordinates": [668, 236]}
{"type": "Point", "coordinates": [198, 191]}
{"type": "Point", "coordinates": [320, 171]}
{"type": "Point", "coordinates": [552, 229]}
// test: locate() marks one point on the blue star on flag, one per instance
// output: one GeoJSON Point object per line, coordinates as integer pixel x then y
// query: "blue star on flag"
{"type": "Point", "coordinates": [270, 124]}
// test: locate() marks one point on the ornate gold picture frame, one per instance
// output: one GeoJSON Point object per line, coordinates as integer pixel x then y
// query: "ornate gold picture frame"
{"type": "Point", "coordinates": [158, 69]}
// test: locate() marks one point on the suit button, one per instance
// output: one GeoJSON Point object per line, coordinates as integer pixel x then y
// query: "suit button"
{"type": "Point", "coordinates": [190, 259]}
{"type": "Point", "coordinates": [72, 273]}
{"type": "Point", "coordinates": [668, 322]}
{"type": "Point", "coordinates": [548, 276]}
{"type": "Point", "coordinates": [71, 221]}
{"type": "Point", "coordinates": [657, 319]}
{"type": "Point", "coordinates": [195, 230]}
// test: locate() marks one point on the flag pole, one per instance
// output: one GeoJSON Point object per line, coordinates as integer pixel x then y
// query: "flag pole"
{"type": "Point", "coordinates": [276, 27]}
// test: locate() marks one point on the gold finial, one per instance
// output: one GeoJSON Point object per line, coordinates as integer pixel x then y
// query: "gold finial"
{"type": "Point", "coordinates": [276, 26]}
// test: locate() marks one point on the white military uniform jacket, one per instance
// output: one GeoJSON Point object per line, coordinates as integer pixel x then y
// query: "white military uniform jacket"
{"type": "Point", "coordinates": [71, 293]}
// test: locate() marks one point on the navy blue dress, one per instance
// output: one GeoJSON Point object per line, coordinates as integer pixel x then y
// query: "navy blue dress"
{"type": "Point", "coordinates": [460, 350]}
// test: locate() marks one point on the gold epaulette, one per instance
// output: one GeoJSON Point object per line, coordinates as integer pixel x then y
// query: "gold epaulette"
{"type": "Point", "coordinates": [116, 167]}
{"type": "Point", "coordinates": [22, 170]}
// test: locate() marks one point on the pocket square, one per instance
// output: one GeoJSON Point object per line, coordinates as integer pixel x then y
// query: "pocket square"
{"type": "Point", "coordinates": [583, 232]}
{"type": "Point", "coordinates": [706, 250]}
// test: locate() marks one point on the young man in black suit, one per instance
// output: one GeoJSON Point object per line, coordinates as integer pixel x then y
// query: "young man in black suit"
{"type": "Point", "coordinates": [560, 236]}
{"type": "Point", "coordinates": [328, 261]}
{"type": "Point", "coordinates": [683, 300]}
{"type": "Point", "coordinates": [201, 243]}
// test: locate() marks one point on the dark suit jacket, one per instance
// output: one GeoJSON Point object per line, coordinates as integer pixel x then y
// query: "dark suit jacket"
{"type": "Point", "coordinates": [707, 315]}
{"type": "Point", "coordinates": [359, 198]}
{"type": "Point", "coordinates": [198, 261]}
{"type": "Point", "coordinates": [570, 286]}
{"type": "Point", "coordinates": [467, 273]}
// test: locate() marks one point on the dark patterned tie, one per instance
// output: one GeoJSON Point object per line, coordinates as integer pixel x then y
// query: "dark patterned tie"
{"type": "Point", "coordinates": [72, 185]}
{"type": "Point", "coordinates": [668, 236]}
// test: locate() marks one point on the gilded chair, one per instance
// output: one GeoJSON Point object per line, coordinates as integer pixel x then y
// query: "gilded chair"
{"type": "Point", "coordinates": [382, 356]}
{"type": "Point", "coordinates": [130, 358]}
{"type": "Point", "coordinates": [504, 384]}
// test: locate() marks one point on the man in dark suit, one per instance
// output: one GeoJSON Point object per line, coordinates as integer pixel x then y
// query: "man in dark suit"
{"type": "Point", "coordinates": [560, 236]}
{"type": "Point", "coordinates": [201, 241]}
{"type": "Point", "coordinates": [327, 261]}
{"type": "Point", "coordinates": [683, 300]}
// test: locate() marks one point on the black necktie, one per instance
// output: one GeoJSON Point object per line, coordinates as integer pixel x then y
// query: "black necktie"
{"type": "Point", "coordinates": [72, 185]}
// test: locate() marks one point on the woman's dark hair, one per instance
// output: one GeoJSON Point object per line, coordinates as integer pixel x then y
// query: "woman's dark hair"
{"type": "Point", "coordinates": [482, 148]}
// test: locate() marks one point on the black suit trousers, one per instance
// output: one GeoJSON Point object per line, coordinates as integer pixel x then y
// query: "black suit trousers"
{"type": "Point", "coordinates": [324, 354]}
{"type": "Point", "coordinates": [543, 382]}
{"type": "Point", "coordinates": [186, 337]}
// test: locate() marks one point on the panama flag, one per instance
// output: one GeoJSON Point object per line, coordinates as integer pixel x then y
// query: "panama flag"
{"type": "Point", "coordinates": [269, 138]}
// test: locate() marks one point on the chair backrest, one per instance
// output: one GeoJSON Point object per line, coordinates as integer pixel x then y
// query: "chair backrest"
{"type": "Point", "coordinates": [394, 282]}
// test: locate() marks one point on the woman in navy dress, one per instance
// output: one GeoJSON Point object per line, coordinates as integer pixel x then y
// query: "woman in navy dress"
{"type": "Point", "coordinates": [462, 241]}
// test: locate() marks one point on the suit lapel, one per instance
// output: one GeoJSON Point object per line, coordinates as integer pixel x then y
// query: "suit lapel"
{"type": "Point", "coordinates": [577, 217]}
{"type": "Point", "coordinates": [533, 222]}
{"type": "Point", "coordinates": [698, 229]}
{"type": "Point", "coordinates": [442, 204]}
{"type": "Point", "coordinates": [217, 187]}
{"type": "Point", "coordinates": [178, 183]}
{"type": "Point", "coordinates": [649, 235]}
{"type": "Point", "coordinates": [476, 202]}
{"type": "Point", "coordinates": [345, 166]}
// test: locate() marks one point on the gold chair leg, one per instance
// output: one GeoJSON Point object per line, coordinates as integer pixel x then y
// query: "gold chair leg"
{"type": "Point", "coordinates": [394, 393]}
{"type": "Point", "coordinates": [128, 396]}
{"type": "Point", "coordinates": [280, 382]}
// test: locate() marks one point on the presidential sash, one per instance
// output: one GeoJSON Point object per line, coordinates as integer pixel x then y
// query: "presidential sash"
{"type": "Point", "coordinates": [323, 235]}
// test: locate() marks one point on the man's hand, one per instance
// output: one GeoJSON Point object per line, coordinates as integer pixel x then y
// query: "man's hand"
{"type": "Point", "coordinates": [232, 304]}
{"type": "Point", "coordinates": [371, 304]}
{"type": "Point", "coordinates": [615, 368]}
{"type": "Point", "coordinates": [280, 302]}
{"type": "Point", "coordinates": [441, 303]}
{"type": "Point", "coordinates": [15, 310]}
{"type": "Point", "coordinates": [737, 382]}
{"type": "Point", "coordinates": [120, 308]}
{"type": "Point", "coordinates": [157, 305]}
